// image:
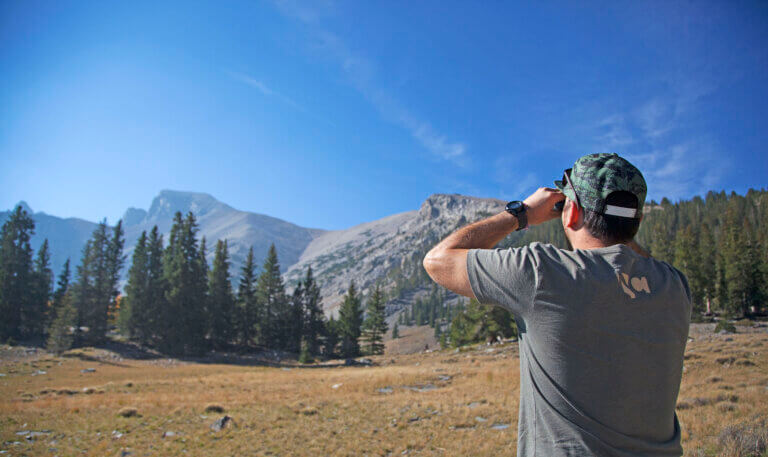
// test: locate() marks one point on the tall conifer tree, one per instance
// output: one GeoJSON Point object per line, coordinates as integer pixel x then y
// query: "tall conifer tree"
{"type": "Point", "coordinates": [16, 273]}
{"type": "Point", "coordinates": [314, 320]}
{"type": "Point", "coordinates": [350, 323]}
{"type": "Point", "coordinates": [38, 314]}
{"type": "Point", "coordinates": [248, 307]}
{"type": "Point", "coordinates": [270, 291]}
{"type": "Point", "coordinates": [220, 300]}
{"type": "Point", "coordinates": [375, 325]}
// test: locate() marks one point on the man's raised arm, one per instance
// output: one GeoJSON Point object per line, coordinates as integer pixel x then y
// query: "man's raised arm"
{"type": "Point", "coordinates": [446, 263]}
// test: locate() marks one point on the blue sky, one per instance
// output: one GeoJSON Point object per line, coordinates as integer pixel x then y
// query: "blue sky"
{"type": "Point", "coordinates": [332, 113]}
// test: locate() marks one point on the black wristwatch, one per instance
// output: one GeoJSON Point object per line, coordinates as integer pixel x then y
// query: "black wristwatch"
{"type": "Point", "coordinates": [518, 209]}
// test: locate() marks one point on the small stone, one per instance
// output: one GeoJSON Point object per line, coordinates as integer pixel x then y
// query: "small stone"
{"type": "Point", "coordinates": [222, 423]}
{"type": "Point", "coordinates": [500, 426]}
{"type": "Point", "coordinates": [384, 390]}
{"type": "Point", "coordinates": [88, 370]}
{"type": "Point", "coordinates": [169, 434]}
{"type": "Point", "coordinates": [480, 419]}
{"type": "Point", "coordinates": [336, 386]}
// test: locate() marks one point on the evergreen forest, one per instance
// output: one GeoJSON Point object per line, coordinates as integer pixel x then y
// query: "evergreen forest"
{"type": "Point", "coordinates": [177, 303]}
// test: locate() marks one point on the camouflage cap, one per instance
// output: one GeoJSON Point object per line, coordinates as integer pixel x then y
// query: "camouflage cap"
{"type": "Point", "coordinates": [596, 176]}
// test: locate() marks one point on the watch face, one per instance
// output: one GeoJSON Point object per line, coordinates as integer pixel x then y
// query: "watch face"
{"type": "Point", "coordinates": [515, 206]}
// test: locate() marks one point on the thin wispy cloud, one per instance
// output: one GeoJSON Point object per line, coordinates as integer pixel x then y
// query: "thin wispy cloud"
{"type": "Point", "coordinates": [362, 74]}
{"type": "Point", "coordinates": [655, 136]}
{"type": "Point", "coordinates": [266, 91]}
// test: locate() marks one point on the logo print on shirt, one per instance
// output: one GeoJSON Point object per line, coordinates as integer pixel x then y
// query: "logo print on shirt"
{"type": "Point", "coordinates": [638, 284]}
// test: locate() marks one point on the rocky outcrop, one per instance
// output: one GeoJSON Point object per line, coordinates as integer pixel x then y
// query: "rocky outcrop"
{"type": "Point", "coordinates": [370, 252]}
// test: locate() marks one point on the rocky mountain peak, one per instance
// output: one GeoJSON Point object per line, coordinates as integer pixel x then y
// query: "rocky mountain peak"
{"type": "Point", "coordinates": [25, 207]}
{"type": "Point", "coordinates": [168, 202]}
{"type": "Point", "coordinates": [134, 216]}
{"type": "Point", "coordinates": [442, 205]}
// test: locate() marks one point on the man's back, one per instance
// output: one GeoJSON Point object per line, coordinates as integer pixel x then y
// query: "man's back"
{"type": "Point", "coordinates": [603, 333]}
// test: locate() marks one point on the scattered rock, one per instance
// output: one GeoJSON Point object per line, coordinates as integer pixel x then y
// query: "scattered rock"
{"type": "Point", "coordinates": [39, 372]}
{"type": "Point", "coordinates": [420, 387]}
{"type": "Point", "coordinates": [475, 404]}
{"type": "Point", "coordinates": [384, 390]}
{"type": "Point", "coordinates": [414, 419]}
{"type": "Point", "coordinates": [480, 419]}
{"type": "Point", "coordinates": [88, 390]}
{"type": "Point", "coordinates": [444, 377]}
{"type": "Point", "coordinates": [745, 363]}
{"type": "Point", "coordinates": [168, 434]}
{"type": "Point", "coordinates": [500, 426]}
{"type": "Point", "coordinates": [128, 412]}
{"type": "Point", "coordinates": [88, 370]}
{"type": "Point", "coordinates": [116, 435]}
{"type": "Point", "coordinates": [214, 408]}
{"type": "Point", "coordinates": [222, 423]}
{"type": "Point", "coordinates": [308, 411]}
{"type": "Point", "coordinates": [336, 386]}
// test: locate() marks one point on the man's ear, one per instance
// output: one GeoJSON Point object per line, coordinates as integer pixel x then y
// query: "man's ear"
{"type": "Point", "coordinates": [572, 215]}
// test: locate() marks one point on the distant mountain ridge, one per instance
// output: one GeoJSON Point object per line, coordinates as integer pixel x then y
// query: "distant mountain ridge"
{"type": "Point", "coordinates": [217, 220]}
{"type": "Point", "coordinates": [385, 250]}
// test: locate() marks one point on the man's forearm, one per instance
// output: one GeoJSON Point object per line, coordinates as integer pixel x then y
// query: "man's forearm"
{"type": "Point", "coordinates": [483, 234]}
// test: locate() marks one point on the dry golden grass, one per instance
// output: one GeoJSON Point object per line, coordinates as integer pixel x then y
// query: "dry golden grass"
{"type": "Point", "coordinates": [297, 411]}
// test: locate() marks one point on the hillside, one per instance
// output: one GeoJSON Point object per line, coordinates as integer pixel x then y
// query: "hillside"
{"type": "Point", "coordinates": [388, 249]}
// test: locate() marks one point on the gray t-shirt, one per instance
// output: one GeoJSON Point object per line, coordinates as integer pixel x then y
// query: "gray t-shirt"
{"type": "Point", "coordinates": [602, 336]}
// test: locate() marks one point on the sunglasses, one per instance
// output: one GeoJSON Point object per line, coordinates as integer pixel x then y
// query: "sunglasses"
{"type": "Point", "coordinates": [567, 178]}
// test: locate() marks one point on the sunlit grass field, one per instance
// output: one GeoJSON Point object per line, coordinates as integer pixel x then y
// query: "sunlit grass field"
{"type": "Point", "coordinates": [440, 403]}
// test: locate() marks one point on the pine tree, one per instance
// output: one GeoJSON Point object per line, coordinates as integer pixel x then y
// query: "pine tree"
{"type": "Point", "coordinates": [136, 309]}
{"type": "Point", "coordinates": [688, 262]}
{"type": "Point", "coordinates": [313, 314]}
{"type": "Point", "coordinates": [183, 318]}
{"type": "Point", "coordinates": [331, 337]}
{"type": "Point", "coordinates": [350, 322]}
{"type": "Point", "coordinates": [61, 332]}
{"type": "Point", "coordinates": [220, 301]}
{"type": "Point", "coordinates": [16, 274]}
{"type": "Point", "coordinates": [707, 267]}
{"type": "Point", "coordinates": [39, 315]}
{"type": "Point", "coordinates": [62, 286]}
{"type": "Point", "coordinates": [270, 291]}
{"type": "Point", "coordinates": [375, 326]}
{"type": "Point", "coordinates": [156, 286]}
{"type": "Point", "coordinates": [248, 307]}
{"type": "Point", "coordinates": [294, 324]}
{"type": "Point", "coordinates": [395, 332]}
{"type": "Point", "coordinates": [481, 323]}
{"type": "Point", "coordinates": [98, 278]}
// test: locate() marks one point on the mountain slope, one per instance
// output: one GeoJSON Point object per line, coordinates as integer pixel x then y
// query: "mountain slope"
{"type": "Point", "coordinates": [386, 250]}
{"type": "Point", "coordinates": [66, 236]}
{"type": "Point", "coordinates": [217, 221]}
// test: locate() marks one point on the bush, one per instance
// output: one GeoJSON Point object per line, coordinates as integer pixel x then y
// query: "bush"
{"type": "Point", "coordinates": [725, 325]}
{"type": "Point", "coordinates": [747, 439]}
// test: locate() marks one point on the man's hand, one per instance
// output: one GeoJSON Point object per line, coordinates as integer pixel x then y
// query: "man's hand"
{"type": "Point", "coordinates": [540, 205]}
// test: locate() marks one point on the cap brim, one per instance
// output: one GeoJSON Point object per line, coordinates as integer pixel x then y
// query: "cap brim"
{"type": "Point", "coordinates": [565, 189]}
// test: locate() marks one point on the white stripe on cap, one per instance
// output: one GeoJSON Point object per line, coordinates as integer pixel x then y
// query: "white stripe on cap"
{"type": "Point", "coordinates": [620, 211]}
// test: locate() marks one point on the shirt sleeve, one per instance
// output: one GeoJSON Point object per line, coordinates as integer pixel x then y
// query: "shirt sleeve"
{"type": "Point", "coordinates": [504, 277]}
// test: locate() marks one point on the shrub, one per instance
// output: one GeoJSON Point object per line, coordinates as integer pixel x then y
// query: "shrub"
{"type": "Point", "coordinates": [128, 412]}
{"type": "Point", "coordinates": [214, 408]}
{"type": "Point", "coordinates": [725, 325]}
{"type": "Point", "coordinates": [747, 439]}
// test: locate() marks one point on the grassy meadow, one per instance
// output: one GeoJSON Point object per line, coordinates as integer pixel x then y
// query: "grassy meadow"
{"type": "Point", "coordinates": [96, 402]}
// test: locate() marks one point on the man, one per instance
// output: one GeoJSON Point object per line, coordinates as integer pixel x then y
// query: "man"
{"type": "Point", "coordinates": [602, 327]}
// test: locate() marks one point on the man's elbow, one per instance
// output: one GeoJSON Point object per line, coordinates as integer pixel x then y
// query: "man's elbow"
{"type": "Point", "coordinates": [431, 262]}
